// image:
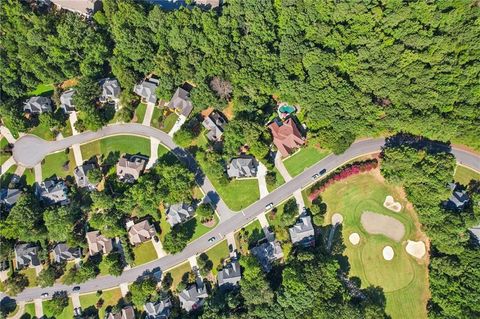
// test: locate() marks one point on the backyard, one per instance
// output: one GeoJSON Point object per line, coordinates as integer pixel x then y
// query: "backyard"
{"type": "Point", "coordinates": [42, 90]}
{"type": "Point", "coordinates": [109, 297]}
{"type": "Point", "coordinates": [404, 278]}
{"type": "Point", "coordinates": [115, 146]}
{"type": "Point", "coordinates": [464, 175]}
{"type": "Point", "coordinates": [303, 159]}
{"type": "Point", "coordinates": [144, 253]}
{"type": "Point", "coordinates": [53, 165]}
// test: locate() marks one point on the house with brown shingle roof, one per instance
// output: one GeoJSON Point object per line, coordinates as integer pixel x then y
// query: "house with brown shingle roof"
{"type": "Point", "coordinates": [129, 169]}
{"type": "Point", "coordinates": [98, 243]}
{"type": "Point", "coordinates": [287, 137]}
{"type": "Point", "coordinates": [140, 232]}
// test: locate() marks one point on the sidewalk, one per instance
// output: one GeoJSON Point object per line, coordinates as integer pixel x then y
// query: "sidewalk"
{"type": "Point", "coordinates": [147, 119]}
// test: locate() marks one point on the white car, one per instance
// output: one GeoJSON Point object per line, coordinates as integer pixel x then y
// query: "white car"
{"type": "Point", "coordinates": [269, 206]}
{"type": "Point", "coordinates": [315, 176]}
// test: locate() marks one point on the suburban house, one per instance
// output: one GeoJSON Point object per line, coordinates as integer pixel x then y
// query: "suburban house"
{"type": "Point", "coordinates": [193, 297]}
{"type": "Point", "coordinates": [26, 255]}
{"type": "Point", "coordinates": [302, 233]}
{"type": "Point", "coordinates": [53, 192]}
{"type": "Point", "coordinates": [98, 243]}
{"type": "Point", "coordinates": [287, 137]}
{"type": "Point", "coordinates": [37, 105]}
{"type": "Point", "coordinates": [267, 253]}
{"type": "Point", "coordinates": [476, 232]}
{"type": "Point", "coordinates": [146, 90]}
{"type": "Point", "coordinates": [214, 123]}
{"type": "Point", "coordinates": [63, 253]}
{"type": "Point", "coordinates": [458, 199]}
{"type": "Point", "coordinates": [66, 101]}
{"type": "Point", "coordinates": [80, 174]}
{"type": "Point", "coordinates": [180, 103]}
{"type": "Point", "coordinates": [130, 168]}
{"type": "Point", "coordinates": [110, 90]}
{"type": "Point", "coordinates": [159, 309]}
{"type": "Point", "coordinates": [85, 8]}
{"type": "Point", "coordinates": [140, 232]}
{"type": "Point", "coordinates": [229, 276]}
{"type": "Point", "coordinates": [179, 213]}
{"type": "Point", "coordinates": [125, 313]}
{"type": "Point", "coordinates": [8, 197]}
{"type": "Point", "coordinates": [244, 166]}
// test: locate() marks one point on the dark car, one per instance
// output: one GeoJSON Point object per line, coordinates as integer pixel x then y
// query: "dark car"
{"type": "Point", "coordinates": [211, 239]}
{"type": "Point", "coordinates": [76, 288]}
{"type": "Point", "coordinates": [323, 171]}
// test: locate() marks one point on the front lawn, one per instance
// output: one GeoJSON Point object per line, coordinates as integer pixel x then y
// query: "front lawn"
{"type": "Point", "coordinates": [3, 156]}
{"type": "Point", "coordinates": [140, 112]}
{"type": "Point", "coordinates": [248, 236]}
{"type": "Point", "coordinates": [464, 175]}
{"type": "Point", "coordinates": [168, 122]}
{"type": "Point", "coordinates": [238, 194]}
{"type": "Point", "coordinates": [274, 220]}
{"type": "Point", "coordinates": [67, 312]}
{"type": "Point", "coordinates": [279, 181]}
{"type": "Point", "coordinates": [110, 297]}
{"type": "Point", "coordinates": [31, 275]}
{"type": "Point", "coordinates": [303, 159]}
{"type": "Point", "coordinates": [198, 231]}
{"type": "Point", "coordinates": [144, 253]}
{"type": "Point", "coordinates": [29, 311]}
{"type": "Point", "coordinates": [7, 176]}
{"type": "Point", "coordinates": [177, 273]}
{"type": "Point", "coordinates": [115, 146]}
{"type": "Point", "coordinates": [156, 117]}
{"type": "Point", "coordinates": [28, 176]}
{"type": "Point", "coordinates": [218, 254]}
{"type": "Point", "coordinates": [53, 165]}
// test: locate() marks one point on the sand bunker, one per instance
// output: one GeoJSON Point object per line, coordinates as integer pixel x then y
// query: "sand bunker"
{"type": "Point", "coordinates": [392, 205]}
{"type": "Point", "coordinates": [337, 219]}
{"type": "Point", "coordinates": [378, 224]}
{"type": "Point", "coordinates": [354, 238]}
{"type": "Point", "coordinates": [388, 253]}
{"type": "Point", "coordinates": [416, 248]}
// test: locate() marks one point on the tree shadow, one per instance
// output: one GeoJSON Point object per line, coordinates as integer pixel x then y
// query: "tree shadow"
{"type": "Point", "coordinates": [417, 142]}
{"type": "Point", "coordinates": [7, 306]}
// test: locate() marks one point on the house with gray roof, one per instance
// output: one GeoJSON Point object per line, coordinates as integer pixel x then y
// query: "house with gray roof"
{"type": "Point", "coordinates": [98, 243]}
{"type": "Point", "coordinates": [180, 103]}
{"type": "Point", "coordinates": [241, 167]}
{"type": "Point", "coordinates": [458, 198]}
{"type": "Point", "coordinates": [9, 196]}
{"type": "Point", "coordinates": [37, 105]}
{"type": "Point", "coordinates": [158, 310]}
{"type": "Point", "coordinates": [110, 90]}
{"type": "Point", "coordinates": [125, 313]}
{"type": "Point", "coordinates": [193, 297]}
{"type": "Point", "coordinates": [53, 192]}
{"type": "Point", "coordinates": [476, 232]}
{"type": "Point", "coordinates": [267, 253]}
{"type": "Point", "coordinates": [146, 90]}
{"type": "Point", "coordinates": [302, 233]}
{"type": "Point", "coordinates": [80, 174]}
{"type": "Point", "coordinates": [26, 255]}
{"type": "Point", "coordinates": [130, 168]}
{"type": "Point", "coordinates": [179, 213]}
{"type": "Point", "coordinates": [66, 101]}
{"type": "Point", "coordinates": [63, 253]}
{"type": "Point", "coordinates": [230, 275]}
{"type": "Point", "coordinates": [85, 8]}
{"type": "Point", "coordinates": [214, 123]}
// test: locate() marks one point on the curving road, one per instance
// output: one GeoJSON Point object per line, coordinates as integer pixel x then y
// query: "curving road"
{"type": "Point", "coordinates": [30, 150]}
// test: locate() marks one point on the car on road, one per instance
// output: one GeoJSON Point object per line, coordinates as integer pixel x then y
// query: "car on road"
{"type": "Point", "coordinates": [269, 206]}
{"type": "Point", "coordinates": [211, 239]}
{"type": "Point", "coordinates": [76, 288]}
{"type": "Point", "coordinates": [323, 171]}
{"type": "Point", "coordinates": [45, 295]}
{"type": "Point", "coordinates": [315, 176]}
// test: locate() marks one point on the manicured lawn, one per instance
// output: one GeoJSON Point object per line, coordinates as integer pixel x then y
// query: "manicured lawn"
{"type": "Point", "coordinates": [28, 176]}
{"type": "Point", "coordinates": [218, 254]}
{"type": "Point", "coordinates": [201, 229]}
{"type": "Point", "coordinates": [115, 146]}
{"type": "Point", "coordinates": [31, 275]}
{"type": "Point", "coordinates": [280, 181]}
{"type": "Point", "coordinates": [178, 272]}
{"type": "Point", "coordinates": [144, 253]}
{"type": "Point", "coordinates": [109, 297]}
{"type": "Point", "coordinates": [281, 233]}
{"type": "Point", "coordinates": [464, 175]}
{"type": "Point", "coordinates": [253, 233]}
{"type": "Point", "coordinates": [140, 112]}
{"type": "Point", "coordinates": [156, 118]}
{"type": "Point", "coordinates": [3, 157]}
{"type": "Point", "coordinates": [67, 312]}
{"type": "Point", "coordinates": [53, 165]}
{"type": "Point", "coordinates": [403, 279]}
{"type": "Point", "coordinates": [169, 121]}
{"type": "Point", "coordinates": [303, 159]}
{"type": "Point", "coordinates": [43, 131]}
{"type": "Point", "coordinates": [29, 311]}
{"type": "Point", "coordinates": [238, 194]}
{"type": "Point", "coordinates": [162, 150]}
{"type": "Point", "coordinates": [43, 90]}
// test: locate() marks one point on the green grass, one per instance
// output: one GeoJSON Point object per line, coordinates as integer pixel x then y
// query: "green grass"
{"type": "Point", "coordinates": [67, 312]}
{"type": "Point", "coordinates": [217, 254]}
{"type": "Point", "coordinates": [169, 121]}
{"type": "Point", "coordinates": [140, 112]}
{"type": "Point", "coordinates": [43, 131]}
{"type": "Point", "coordinates": [53, 165]}
{"type": "Point", "coordinates": [198, 232]}
{"type": "Point", "coordinates": [156, 117]}
{"type": "Point", "coordinates": [7, 176]}
{"type": "Point", "coordinates": [43, 90]}
{"type": "Point", "coordinates": [110, 298]}
{"type": "Point", "coordinates": [3, 157]}
{"type": "Point", "coordinates": [29, 311]}
{"type": "Point", "coordinates": [31, 275]}
{"type": "Point", "coordinates": [281, 233]}
{"type": "Point", "coordinates": [464, 175]}
{"type": "Point", "coordinates": [238, 194]}
{"type": "Point", "coordinates": [116, 146]}
{"type": "Point", "coordinates": [303, 159]}
{"type": "Point", "coordinates": [29, 176]}
{"type": "Point", "coordinates": [177, 273]}
{"type": "Point", "coordinates": [253, 232]}
{"type": "Point", "coordinates": [280, 181]}
{"type": "Point", "coordinates": [144, 253]}
{"type": "Point", "coordinates": [404, 279]}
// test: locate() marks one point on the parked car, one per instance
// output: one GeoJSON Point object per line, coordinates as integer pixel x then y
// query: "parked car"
{"type": "Point", "coordinates": [211, 239]}
{"type": "Point", "coordinates": [315, 176]}
{"type": "Point", "coordinates": [269, 206]}
{"type": "Point", "coordinates": [45, 295]}
{"type": "Point", "coordinates": [323, 171]}
{"type": "Point", "coordinates": [76, 288]}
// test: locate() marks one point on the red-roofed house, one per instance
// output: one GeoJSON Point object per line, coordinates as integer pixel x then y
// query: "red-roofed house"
{"type": "Point", "coordinates": [286, 136]}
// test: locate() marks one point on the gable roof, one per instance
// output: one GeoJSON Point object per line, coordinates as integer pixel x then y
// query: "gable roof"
{"type": "Point", "coordinates": [61, 253]}
{"type": "Point", "coordinates": [146, 89]}
{"type": "Point", "coordinates": [38, 105]}
{"type": "Point", "coordinates": [180, 102]}
{"type": "Point", "coordinates": [80, 174]}
{"type": "Point", "coordinates": [83, 7]}
{"type": "Point", "coordinates": [179, 213]}
{"type": "Point", "coordinates": [26, 255]}
{"type": "Point", "coordinates": [230, 275]}
{"type": "Point", "coordinates": [476, 232]}
{"type": "Point", "coordinates": [214, 123]}
{"type": "Point", "coordinates": [66, 101]}
{"type": "Point", "coordinates": [110, 89]}
{"type": "Point", "coordinates": [9, 196]}
{"type": "Point", "coordinates": [245, 166]}
{"type": "Point", "coordinates": [130, 168]}
{"type": "Point", "coordinates": [267, 252]}
{"type": "Point", "coordinates": [194, 296]}
{"type": "Point", "coordinates": [459, 197]}
{"type": "Point", "coordinates": [286, 135]}
{"type": "Point", "coordinates": [302, 232]}
{"type": "Point", "coordinates": [98, 243]}
{"type": "Point", "coordinates": [125, 313]}
{"type": "Point", "coordinates": [159, 309]}
{"type": "Point", "coordinates": [53, 192]}
{"type": "Point", "coordinates": [141, 232]}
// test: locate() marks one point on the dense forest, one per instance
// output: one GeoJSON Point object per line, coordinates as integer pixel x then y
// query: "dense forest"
{"type": "Point", "coordinates": [355, 68]}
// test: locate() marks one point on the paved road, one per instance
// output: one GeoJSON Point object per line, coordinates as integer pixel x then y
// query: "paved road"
{"type": "Point", "coordinates": [229, 222]}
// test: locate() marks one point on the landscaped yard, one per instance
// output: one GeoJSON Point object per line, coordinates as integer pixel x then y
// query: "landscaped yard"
{"type": "Point", "coordinates": [279, 181]}
{"type": "Point", "coordinates": [217, 254]}
{"type": "Point", "coordinates": [303, 159]}
{"type": "Point", "coordinates": [44, 131]}
{"type": "Point", "coordinates": [281, 233]}
{"type": "Point", "coordinates": [169, 121]}
{"type": "Point", "coordinates": [178, 272]}
{"type": "Point", "coordinates": [28, 176]}
{"type": "Point", "coordinates": [116, 146]}
{"type": "Point", "coordinates": [464, 175]}
{"type": "Point", "coordinates": [404, 278]}
{"type": "Point", "coordinates": [253, 233]}
{"type": "Point", "coordinates": [238, 194]}
{"type": "Point", "coordinates": [53, 165]}
{"type": "Point", "coordinates": [109, 297]}
{"type": "Point", "coordinates": [31, 275]}
{"type": "Point", "coordinates": [140, 112]}
{"type": "Point", "coordinates": [198, 232]}
{"type": "Point", "coordinates": [156, 117]}
{"type": "Point", "coordinates": [144, 253]}
{"type": "Point", "coordinates": [29, 312]}
{"type": "Point", "coordinates": [67, 313]}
